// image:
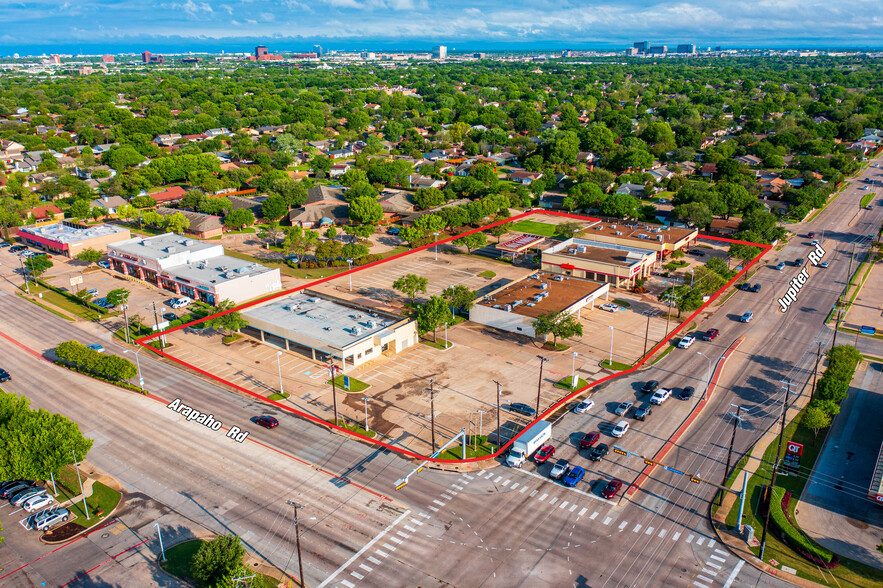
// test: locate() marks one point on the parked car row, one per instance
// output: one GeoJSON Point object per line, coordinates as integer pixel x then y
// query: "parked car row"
{"type": "Point", "coordinates": [32, 498]}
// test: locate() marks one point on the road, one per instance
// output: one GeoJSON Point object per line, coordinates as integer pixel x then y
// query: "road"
{"type": "Point", "coordinates": [503, 527]}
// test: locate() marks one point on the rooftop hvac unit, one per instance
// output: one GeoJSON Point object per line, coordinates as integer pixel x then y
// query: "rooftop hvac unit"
{"type": "Point", "coordinates": [544, 286]}
{"type": "Point", "coordinates": [326, 328]}
{"type": "Point", "coordinates": [537, 298]}
{"type": "Point", "coordinates": [497, 306]}
{"type": "Point", "coordinates": [618, 233]}
{"type": "Point", "coordinates": [170, 249]}
{"type": "Point", "coordinates": [188, 242]}
{"type": "Point", "coordinates": [357, 330]}
{"type": "Point", "coordinates": [508, 308]}
{"type": "Point", "coordinates": [535, 277]}
{"type": "Point", "coordinates": [517, 302]}
{"type": "Point", "coordinates": [660, 237]}
{"type": "Point", "coordinates": [530, 304]}
{"type": "Point", "coordinates": [612, 226]}
{"type": "Point", "coordinates": [642, 236]}
{"type": "Point", "coordinates": [581, 248]}
{"type": "Point", "coordinates": [371, 324]}
{"type": "Point", "coordinates": [558, 278]}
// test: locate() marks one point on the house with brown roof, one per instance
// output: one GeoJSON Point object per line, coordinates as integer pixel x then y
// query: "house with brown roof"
{"type": "Point", "coordinates": [43, 213]}
{"type": "Point", "coordinates": [324, 206]}
{"type": "Point", "coordinates": [708, 170]}
{"type": "Point", "coordinates": [172, 194]}
{"type": "Point", "coordinates": [396, 204]}
{"type": "Point", "coordinates": [525, 177]}
{"type": "Point", "coordinates": [202, 226]}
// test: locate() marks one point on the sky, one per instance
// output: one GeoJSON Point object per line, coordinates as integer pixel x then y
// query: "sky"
{"type": "Point", "coordinates": [97, 26]}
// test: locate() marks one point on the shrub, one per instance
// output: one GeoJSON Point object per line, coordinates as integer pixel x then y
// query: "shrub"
{"type": "Point", "coordinates": [793, 536]}
{"type": "Point", "coordinates": [111, 367]}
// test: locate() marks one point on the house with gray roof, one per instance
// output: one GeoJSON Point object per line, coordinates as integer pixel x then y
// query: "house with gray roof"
{"type": "Point", "coordinates": [202, 226]}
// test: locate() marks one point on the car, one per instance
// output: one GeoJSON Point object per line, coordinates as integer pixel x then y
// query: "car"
{"type": "Point", "coordinates": [696, 252]}
{"type": "Point", "coordinates": [710, 335]}
{"type": "Point", "coordinates": [811, 235]}
{"type": "Point", "coordinates": [96, 347]}
{"type": "Point", "coordinates": [583, 406]}
{"type": "Point", "coordinates": [611, 488]}
{"type": "Point", "coordinates": [865, 188]}
{"type": "Point", "coordinates": [650, 387]}
{"type": "Point", "coordinates": [815, 242]}
{"type": "Point", "coordinates": [686, 393]}
{"type": "Point", "coordinates": [798, 262]}
{"type": "Point", "coordinates": [522, 408]}
{"type": "Point", "coordinates": [609, 307]}
{"type": "Point", "coordinates": [93, 291]}
{"type": "Point", "coordinates": [4, 375]}
{"type": "Point", "coordinates": [35, 503]}
{"type": "Point", "coordinates": [267, 422]}
{"type": "Point", "coordinates": [42, 520]}
{"type": "Point", "coordinates": [823, 264]}
{"type": "Point", "coordinates": [10, 483]}
{"type": "Point", "coordinates": [21, 497]}
{"type": "Point", "coordinates": [755, 288]}
{"type": "Point", "coordinates": [643, 411]}
{"type": "Point", "coordinates": [744, 286]}
{"type": "Point", "coordinates": [746, 318]}
{"type": "Point", "coordinates": [292, 258]}
{"type": "Point", "coordinates": [15, 487]}
{"type": "Point", "coordinates": [623, 407]}
{"type": "Point", "coordinates": [781, 266]}
{"type": "Point", "coordinates": [104, 264]}
{"type": "Point", "coordinates": [589, 439]}
{"type": "Point", "coordinates": [393, 231]}
{"type": "Point", "coordinates": [544, 453]}
{"type": "Point", "coordinates": [686, 341]}
{"type": "Point", "coordinates": [181, 302]}
{"type": "Point", "coordinates": [170, 316]}
{"type": "Point", "coordinates": [559, 469]}
{"type": "Point", "coordinates": [620, 429]}
{"type": "Point", "coordinates": [574, 476]}
{"type": "Point", "coordinates": [660, 396]}
{"type": "Point", "coordinates": [598, 452]}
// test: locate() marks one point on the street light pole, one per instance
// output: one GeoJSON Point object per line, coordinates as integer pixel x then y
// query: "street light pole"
{"type": "Point", "coordinates": [138, 363]}
{"type": "Point", "coordinates": [300, 563]}
{"type": "Point", "coordinates": [350, 264]}
{"type": "Point", "coordinates": [331, 369]}
{"type": "Point", "coordinates": [815, 371]}
{"type": "Point", "coordinates": [436, 246]}
{"type": "Point", "coordinates": [366, 399]}
{"type": "Point", "coordinates": [766, 522]}
{"type": "Point", "coordinates": [707, 377]}
{"type": "Point", "coordinates": [736, 420]}
{"type": "Point", "coordinates": [279, 363]}
{"type": "Point", "coordinates": [24, 274]}
{"type": "Point", "coordinates": [432, 411]}
{"type": "Point", "coordinates": [646, 332]}
{"type": "Point", "coordinates": [126, 321]}
{"type": "Point", "coordinates": [573, 370]}
{"type": "Point", "coordinates": [162, 551]}
{"type": "Point", "coordinates": [610, 362]}
{"type": "Point", "coordinates": [540, 383]}
{"type": "Point", "coordinates": [499, 433]}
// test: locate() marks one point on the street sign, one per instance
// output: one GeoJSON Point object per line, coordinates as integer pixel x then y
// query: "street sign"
{"type": "Point", "coordinates": [672, 470]}
{"type": "Point", "coordinates": [76, 280]}
{"type": "Point", "coordinates": [346, 382]}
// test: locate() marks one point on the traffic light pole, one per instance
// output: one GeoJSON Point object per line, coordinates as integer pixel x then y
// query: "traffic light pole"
{"type": "Point", "coordinates": [766, 522]}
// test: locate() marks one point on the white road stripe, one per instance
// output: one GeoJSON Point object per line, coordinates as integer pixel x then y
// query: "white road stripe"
{"type": "Point", "coordinates": [396, 539]}
{"type": "Point", "coordinates": [714, 565]}
{"type": "Point", "coordinates": [374, 560]}
{"type": "Point", "coordinates": [534, 493]}
{"type": "Point", "coordinates": [735, 573]}
{"type": "Point", "coordinates": [675, 536]}
{"type": "Point", "coordinates": [608, 520]}
{"type": "Point", "coordinates": [498, 479]}
{"type": "Point", "coordinates": [622, 525]}
{"type": "Point", "coordinates": [721, 552]}
{"type": "Point", "coordinates": [412, 529]}
{"type": "Point", "coordinates": [689, 538]}
{"type": "Point", "coordinates": [543, 497]}
{"type": "Point", "coordinates": [718, 558]}
{"type": "Point", "coordinates": [402, 534]}
{"type": "Point", "coordinates": [553, 500]}
{"type": "Point", "coordinates": [637, 528]}
{"type": "Point", "coordinates": [700, 540]}
{"type": "Point", "coordinates": [432, 508]}
{"type": "Point", "coordinates": [709, 572]}
{"type": "Point", "coordinates": [514, 486]}
{"type": "Point", "coordinates": [649, 531]}
{"type": "Point", "coordinates": [524, 489]}
{"type": "Point", "coordinates": [705, 579]}
{"type": "Point", "coordinates": [573, 508]}
{"type": "Point", "coordinates": [388, 546]}
{"type": "Point", "coordinates": [506, 482]}
{"type": "Point", "coordinates": [711, 543]}
{"type": "Point", "coordinates": [700, 585]}
{"type": "Point", "coordinates": [584, 510]}
{"type": "Point", "coordinates": [347, 583]}
{"type": "Point", "coordinates": [357, 575]}
{"type": "Point", "coordinates": [366, 568]}
{"type": "Point", "coordinates": [381, 553]}
{"type": "Point", "coordinates": [438, 502]}
{"type": "Point", "coordinates": [662, 533]}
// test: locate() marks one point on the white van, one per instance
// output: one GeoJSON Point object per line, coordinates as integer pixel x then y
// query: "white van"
{"type": "Point", "coordinates": [620, 429]}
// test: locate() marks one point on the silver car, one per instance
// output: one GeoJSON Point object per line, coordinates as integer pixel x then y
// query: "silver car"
{"type": "Point", "coordinates": [42, 520]}
{"type": "Point", "coordinates": [21, 497]}
{"type": "Point", "coordinates": [623, 408]}
{"type": "Point", "coordinates": [35, 503]}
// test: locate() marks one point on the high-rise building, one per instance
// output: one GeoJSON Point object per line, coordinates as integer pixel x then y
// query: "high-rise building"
{"type": "Point", "coordinates": [260, 50]}
{"type": "Point", "coordinates": [642, 46]}
{"type": "Point", "coordinates": [55, 59]}
{"type": "Point", "coordinates": [439, 52]}
{"type": "Point", "coordinates": [658, 50]}
{"type": "Point", "coordinates": [631, 51]}
{"type": "Point", "coordinates": [368, 55]}
{"type": "Point", "coordinates": [479, 55]}
{"type": "Point", "coordinates": [317, 49]}
{"type": "Point", "coordinates": [148, 57]}
{"type": "Point", "coordinates": [107, 58]}
{"type": "Point", "coordinates": [686, 48]}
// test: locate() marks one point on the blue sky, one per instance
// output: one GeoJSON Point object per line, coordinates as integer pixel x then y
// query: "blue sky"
{"type": "Point", "coordinates": [34, 26]}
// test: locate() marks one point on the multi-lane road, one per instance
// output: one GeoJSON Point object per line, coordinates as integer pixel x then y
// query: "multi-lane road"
{"type": "Point", "coordinates": [500, 527]}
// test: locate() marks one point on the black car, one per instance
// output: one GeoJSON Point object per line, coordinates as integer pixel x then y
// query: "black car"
{"type": "Point", "coordinates": [522, 408]}
{"type": "Point", "coordinates": [643, 412]}
{"type": "Point", "coordinates": [650, 387]}
{"type": "Point", "coordinates": [798, 262]}
{"type": "Point", "coordinates": [744, 286]}
{"type": "Point", "coordinates": [686, 393]}
{"type": "Point", "coordinates": [755, 288]}
{"type": "Point", "coordinates": [10, 483]}
{"type": "Point", "coordinates": [16, 488]}
{"type": "Point", "coordinates": [4, 375]}
{"type": "Point", "coordinates": [696, 252]}
{"type": "Point", "coordinates": [598, 452]}
{"type": "Point", "coordinates": [170, 316]}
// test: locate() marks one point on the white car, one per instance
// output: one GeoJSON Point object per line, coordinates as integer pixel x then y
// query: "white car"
{"type": "Point", "coordinates": [104, 264]}
{"type": "Point", "coordinates": [583, 406]}
{"type": "Point", "coordinates": [35, 503]}
{"type": "Point", "coordinates": [181, 302]}
{"type": "Point", "coordinates": [96, 347]}
{"type": "Point", "coordinates": [686, 341]}
{"type": "Point", "coordinates": [620, 429]}
{"type": "Point", "coordinates": [660, 396]}
{"type": "Point", "coordinates": [609, 307]}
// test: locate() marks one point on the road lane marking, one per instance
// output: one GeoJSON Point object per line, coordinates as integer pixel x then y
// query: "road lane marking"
{"type": "Point", "coordinates": [711, 543]}
{"type": "Point", "coordinates": [700, 541]}
{"type": "Point", "coordinates": [438, 502]}
{"type": "Point", "coordinates": [649, 531]}
{"type": "Point", "coordinates": [707, 571]}
{"type": "Point", "coordinates": [515, 485]}
{"type": "Point", "coordinates": [534, 493]}
{"type": "Point", "coordinates": [718, 558]}
{"type": "Point", "coordinates": [402, 534]}
{"type": "Point", "coordinates": [457, 487]}
{"type": "Point", "coordinates": [637, 528]}
{"type": "Point", "coordinates": [388, 546]}
{"type": "Point", "coordinates": [498, 479]}
{"type": "Point", "coordinates": [381, 553]}
{"type": "Point", "coordinates": [553, 500]}
{"type": "Point", "coordinates": [374, 560]}
{"type": "Point", "coordinates": [622, 525]}
{"type": "Point", "coordinates": [432, 508]}
{"type": "Point", "coordinates": [661, 533]}
{"type": "Point", "coordinates": [675, 536]}
{"type": "Point", "coordinates": [357, 575]}
{"type": "Point", "coordinates": [523, 489]}
{"type": "Point", "coordinates": [366, 547]}
{"type": "Point", "coordinates": [722, 552]}
{"type": "Point", "coordinates": [396, 539]}
{"type": "Point", "coordinates": [700, 585]}
{"type": "Point", "coordinates": [416, 522]}
{"type": "Point", "coordinates": [563, 504]}
{"type": "Point", "coordinates": [690, 539]}
{"type": "Point", "coordinates": [424, 515]}
{"type": "Point", "coordinates": [573, 508]}
{"type": "Point", "coordinates": [705, 579]}
{"type": "Point", "coordinates": [347, 583]}
{"type": "Point", "coordinates": [714, 565]}
{"type": "Point", "coordinates": [412, 529]}
{"type": "Point", "coordinates": [608, 520]}
{"type": "Point", "coordinates": [735, 573]}
{"type": "Point", "coordinates": [506, 482]}
{"type": "Point", "coordinates": [366, 568]}
{"type": "Point", "coordinates": [543, 497]}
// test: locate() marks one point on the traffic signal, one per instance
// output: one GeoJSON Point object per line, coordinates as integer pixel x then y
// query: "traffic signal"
{"type": "Point", "coordinates": [619, 451]}
{"type": "Point", "coordinates": [695, 480]}
{"type": "Point", "coordinates": [649, 462]}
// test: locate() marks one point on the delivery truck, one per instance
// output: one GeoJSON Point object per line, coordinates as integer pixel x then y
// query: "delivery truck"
{"type": "Point", "coordinates": [528, 442]}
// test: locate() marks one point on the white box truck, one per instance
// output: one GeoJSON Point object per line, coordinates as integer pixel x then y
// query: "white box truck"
{"type": "Point", "coordinates": [529, 442]}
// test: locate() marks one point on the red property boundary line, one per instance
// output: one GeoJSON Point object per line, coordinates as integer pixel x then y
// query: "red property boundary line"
{"type": "Point", "coordinates": [143, 340]}
{"type": "Point", "coordinates": [697, 410]}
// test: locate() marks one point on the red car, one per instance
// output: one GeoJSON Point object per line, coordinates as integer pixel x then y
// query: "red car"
{"type": "Point", "coordinates": [543, 455]}
{"type": "Point", "coordinates": [589, 440]}
{"type": "Point", "coordinates": [267, 421]}
{"type": "Point", "coordinates": [710, 334]}
{"type": "Point", "coordinates": [611, 489]}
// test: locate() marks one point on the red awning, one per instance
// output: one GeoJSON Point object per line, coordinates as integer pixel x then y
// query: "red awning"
{"type": "Point", "coordinates": [567, 266]}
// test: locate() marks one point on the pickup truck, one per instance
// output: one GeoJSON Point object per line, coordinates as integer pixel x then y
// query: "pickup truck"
{"type": "Point", "coordinates": [660, 396]}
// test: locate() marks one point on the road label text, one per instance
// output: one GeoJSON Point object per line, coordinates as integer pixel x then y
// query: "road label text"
{"type": "Point", "coordinates": [194, 415]}
{"type": "Point", "coordinates": [800, 279]}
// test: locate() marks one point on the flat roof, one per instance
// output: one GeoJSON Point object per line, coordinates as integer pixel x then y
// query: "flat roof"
{"type": "Point", "coordinates": [521, 242]}
{"type": "Point", "coordinates": [599, 251]}
{"type": "Point", "coordinates": [562, 293]}
{"type": "Point", "coordinates": [64, 233]}
{"type": "Point", "coordinates": [635, 230]}
{"type": "Point", "coordinates": [216, 270]}
{"type": "Point", "coordinates": [157, 247]}
{"type": "Point", "coordinates": [322, 319]}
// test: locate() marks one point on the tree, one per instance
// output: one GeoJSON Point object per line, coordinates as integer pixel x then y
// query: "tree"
{"type": "Point", "coordinates": [90, 255]}
{"type": "Point", "coordinates": [176, 222]}
{"type": "Point", "coordinates": [557, 324]}
{"type": "Point", "coordinates": [239, 218]}
{"type": "Point", "coordinates": [684, 297]}
{"type": "Point", "coordinates": [567, 230]}
{"type": "Point", "coordinates": [473, 241]}
{"type": "Point", "coordinates": [117, 296]}
{"type": "Point", "coordinates": [218, 560]}
{"type": "Point", "coordinates": [365, 210]}
{"type": "Point", "coordinates": [816, 418]}
{"type": "Point", "coordinates": [85, 297]}
{"type": "Point", "coordinates": [122, 157]}
{"type": "Point", "coordinates": [620, 206]}
{"type": "Point", "coordinates": [274, 207]}
{"type": "Point", "coordinates": [214, 205]}
{"type": "Point", "coordinates": [459, 297]}
{"type": "Point", "coordinates": [695, 213]}
{"type": "Point", "coordinates": [426, 198]}
{"type": "Point", "coordinates": [79, 209]}
{"type": "Point", "coordinates": [38, 264]}
{"type": "Point", "coordinates": [126, 212]}
{"type": "Point", "coordinates": [499, 230]}
{"type": "Point", "coordinates": [410, 284]}
{"type": "Point", "coordinates": [331, 233]}
{"type": "Point", "coordinates": [431, 314]}
{"type": "Point", "coordinates": [412, 234]}
{"type": "Point", "coordinates": [229, 322]}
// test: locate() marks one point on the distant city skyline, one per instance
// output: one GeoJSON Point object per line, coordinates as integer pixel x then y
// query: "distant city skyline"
{"type": "Point", "coordinates": [101, 26]}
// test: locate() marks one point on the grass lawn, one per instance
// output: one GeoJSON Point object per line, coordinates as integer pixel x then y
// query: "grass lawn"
{"type": "Point", "coordinates": [664, 353]}
{"type": "Point", "coordinates": [622, 303]}
{"type": "Point", "coordinates": [487, 274]}
{"type": "Point", "coordinates": [566, 380]}
{"type": "Point", "coordinates": [52, 310]}
{"type": "Point", "coordinates": [440, 344]}
{"type": "Point", "coordinates": [104, 499]}
{"type": "Point", "coordinates": [245, 231]}
{"type": "Point", "coordinates": [69, 303]}
{"type": "Point", "coordinates": [866, 199]}
{"type": "Point", "coordinates": [616, 365]}
{"type": "Point", "coordinates": [355, 385]}
{"type": "Point", "coordinates": [534, 228]}
{"type": "Point", "coordinates": [278, 396]}
{"type": "Point", "coordinates": [180, 557]}
{"type": "Point", "coordinates": [356, 428]}
{"type": "Point", "coordinates": [480, 449]}
{"type": "Point", "coordinates": [228, 339]}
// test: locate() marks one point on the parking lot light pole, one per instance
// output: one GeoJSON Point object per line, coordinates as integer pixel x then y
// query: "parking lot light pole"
{"type": "Point", "coordinates": [24, 274]}
{"type": "Point", "coordinates": [610, 363]}
{"type": "Point", "coordinates": [350, 264]}
{"type": "Point", "coordinates": [499, 433]}
{"type": "Point", "coordinates": [573, 371]}
{"type": "Point", "coordinates": [279, 363]}
{"type": "Point", "coordinates": [162, 551]}
{"type": "Point", "coordinates": [436, 246]}
{"type": "Point", "coordinates": [540, 383]}
{"type": "Point", "coordinates": [366, 399]}
{"type": "Point", "coordinates": [77, 467]}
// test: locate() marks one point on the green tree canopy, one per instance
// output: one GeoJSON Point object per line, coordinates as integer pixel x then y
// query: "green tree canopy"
{"type": "Point", "coordinates": [559, 325]}
{"type": "Point", "coordinates": [90, 255]}
{"type": "Point", "coordinates": [410, 284]}
{"type": "Point", "coordinates": [218, 560]}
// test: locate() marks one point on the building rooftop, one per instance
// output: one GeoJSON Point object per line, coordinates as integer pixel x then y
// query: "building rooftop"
{"type": "Point", "coordinates": [328, 322]}
{"type": "Point", "coordinates": [635, 230]}
{"type": "Point", "coordinates": [557, 293]}
{"type": "Point", "coordinates": [65, 233]}
{"type": "Point", "coordinates": [599, 251]}
{"type": "Point", "coordinates": [158, 247]}
{"type": "Point", "coordinates": [216, 270]}
{"type": "Point", "coordinates": [521, 242]}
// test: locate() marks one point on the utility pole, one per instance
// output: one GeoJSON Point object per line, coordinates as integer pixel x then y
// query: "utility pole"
{"type": "Point", "coordinates": [646, 332]}
{"type": "Point", "coordinates": [499, 432]}
{"type": "Point", "coordinates": [366, 399]}
{"type": "Point", "coordinates": [432, 411]}
{"type": "Point", "coordinates": [736, 421]}
{"type": "Point", "coordinates": [815, 371]}
{"type": "Point", "coordinates": [540, 383]}
{"type": "Point", "coordinates": [300, 562]}
{"type": "Point", "coordinates": [24, 274]}
{"type": "Point", "coordinates": [841, 299]}
{"type": "Point", "coordinates": [126, 321]}
{"type": "Point", "coordinates": [331, 369]}
{"type": "Point", "coordinates": [772, 485]}
{"type": "Point", "coordinates": [156, 326]}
